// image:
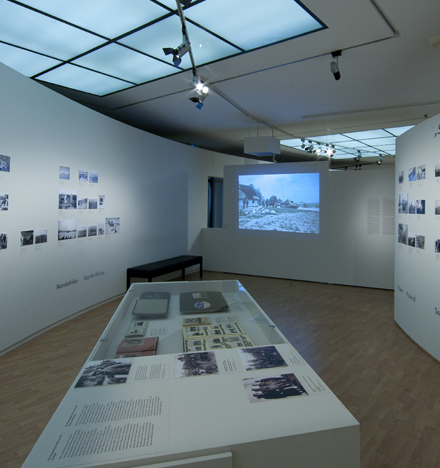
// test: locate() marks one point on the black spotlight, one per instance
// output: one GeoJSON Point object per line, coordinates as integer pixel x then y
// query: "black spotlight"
{"type": "Point", "coordinates": [334, 67]}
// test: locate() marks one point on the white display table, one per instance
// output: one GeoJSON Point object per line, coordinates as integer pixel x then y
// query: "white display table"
{"type": "Point", "coordinates": [238, 412]}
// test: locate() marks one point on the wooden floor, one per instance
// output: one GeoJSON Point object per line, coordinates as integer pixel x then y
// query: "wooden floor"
{"type": "Point", "coordinates": [346, 334]}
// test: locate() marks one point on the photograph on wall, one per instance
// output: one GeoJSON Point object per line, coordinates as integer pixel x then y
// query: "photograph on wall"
{"type": "Point", "coordinates": [263, 357]}
{"type": "Point", "coordinates": [420, 241]}
{"type": "Point", "coordinates": [65, 172]}
{"type": "Point", "coordinates": [83, 176]}
{"type": "Point", "coordinates": [82, 203]}
{"type": "Point", "coordinates": [402, 234]}
{"type": "Point", "coordinates": [260, 389]}
{"type": "Point", "coordinates": [412, 207]}
{"type": "Point", "coordinates": [26, 238]}
{"type": "Point", "coordinates": [437, 206]}
{"type": "Point", "coordinates": [93, 203]}
{"type": "Point", "coordinates": [81, 231]}
{"type": "Point", "coordinates": [195, 364]}
{"type": "Point", "coordinates": [40, 236]}
{"type": "Point", "coordinates": [437, 245]}
{"type": "Point", "coordinates": [412, 171]}
{"type": "Point", "coordinates": [66, 229]}
{"type": "Point", "coordinates": [108, 372]}
{"type": "Point", "coordinates": [421, 172]}
{"type": "Point", "coordinates": [279, 202]}
{"type": "Point", "coordinates": [112, 225]}
{"type": "Point", "coordinates": [420, 207]}
{"type": "Point", "coordinates": [5, 163]}
{"type": "Point", "coordinates": [411, 239]}
{"type": "Point", "coordinates": [403, 203]}
{"type": "Point", "coordinates": [93, 230]}
{"type": "Point", "coordinates": [101, 228]}
{"type": "Point", "coordinates": [3, 241]}
{"type": "Point", "coordinates": [93, 177]}
{"type": "Point", "coordinates": [401, 177]}
{"type": "Point", "coordinates": [437, 169]}
{"type": "Point", "coordinates": [67, 199]}
{"type": "Point", "coordinates": [101, 201]}
{"type": "Point", "coordinates": [4, 202]}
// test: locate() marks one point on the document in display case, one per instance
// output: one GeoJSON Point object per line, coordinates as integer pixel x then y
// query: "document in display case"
{"type": "Point", "coordinates": [223, 389]}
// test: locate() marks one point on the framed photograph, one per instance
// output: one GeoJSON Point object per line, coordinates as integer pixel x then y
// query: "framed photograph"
{"type": "Point", "coordinates": [67, 199]}
{"type": "Point", "coordinates": [412, 174]}
{"type": "Point", "coordinates": [402, 234]}
{"type": "Point", "coordinates": [403, 203]}
{"type": "Point", "coordinates": [3, 240]}
{"type": "Point", "coordinates": [437, 169]}
{"type": "Point", "coordinates": [82, 203]}
{"type": "Point", "coordinates": [401, 177]}
{"type": "Point", "coordinates": [108, 372]}
{"type": "Point", "coordinates": [93, 203]}
{"type": "Point", "coordinates": [421, 172]}
{"type": "Point", "coordinates": [64, 172]}
{"type": "Point", "coordinates": [437, 206]}
{"type": "Point", "coordinates": [112, 225]}
{"type": "Point", "coordinates": [93, 230]}
{"type": "Point", "coordinates": [101, 228]}
{"type": "Point", "coordinates": [5, 163]}
{"type": "Point", "coordinates": [274, 387]}
{"type": "Point", "coordinates": [101, 201]}
{"type": "Point", "coordinates": [412, 207]}
{"type": "Point", "coordinates": [26, 238]}
{"type": "Point", "coordinates": [81, 231]}
{"type": "Point", "coordinates": [4, 202]}
{"type": "Point", "coordinates": [93, 177]}
{"type": "Point", "coordinates": [420, 207]}
{"type": "Point", "coordinates": [66, 229]}
{"type": "Point", "coordinates": [40, 236]}
{"type": "Point", "coordinates": [83, 176]}
{"type": "Point", "coordinates": [420, 241]}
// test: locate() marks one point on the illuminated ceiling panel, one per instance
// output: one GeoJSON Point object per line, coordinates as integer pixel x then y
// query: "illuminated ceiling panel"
{"type": "Point", "coordinates": [110, 40]}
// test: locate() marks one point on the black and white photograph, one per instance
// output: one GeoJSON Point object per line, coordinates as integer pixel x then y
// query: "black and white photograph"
{"type": "Point", "coordinates": [66, 229]}
{"type": "Point", "coordinates": [437, 245]}
{"type": "Point", "coordinates": [420, 207]}
{"type": "Point", "coordinates": [40, 236]}
{"type": "Point", "coordinates": [101, 202]}
{"type": "Point", "coordinates": [263, 357]}
{"type": "Point", "coordinates": [273, 388]}
{"type": "Point", "coordinates": [93, 203]}
{"type": "Point", "coordinates": [67, 199]}
{"type": "Point", "coordinates": [83, 176]}
{"type": "Point", "coordinates": [412, 207]}
{"type": "Point", "coordinates": [112, 225]}
{"type": "Point", "coordinates": [437, 206]}
{"type": "Point", "coordinates": [93, 230]}
{"type": "Point", "coordinates": [411, 239]}
{"type": "Point", "coordinates": [437, 169]}
{"type": "Point", "coordinates": [101, 228]}
{"type": "Point", "coordinates": [83, 203]}
{"type": "Point", "coordinates": [4, 202]}
{"type": "Point", "coordinates": [108, 372]}
{"type": "Point", "coordinates": [402, 234]}
{"type": "Point", "coordinates": [81, 231]}
{"type": "Point", "coordinates": [64, 172]}
{"type": "Point", "coordinates": [420, 241]}
{"type": "Point", "coordinates": [412, 171]}
{"type": "Point", "coordinates": [403, 203]}
{"type": "Point", "coordinates": [26, 238]}
{"type": "Point", "coordinates": [3, 241]}
{"type": "Point", "coordinates": [195, 364]}
{"type": "Point", "coordinates": [421, 172]}
{"type": "Point", "coordinates": [93, 177]}
{"type": "Point", "coordinates": [401, 177]}
{"type": "Point", "coordinates": [5, 163]}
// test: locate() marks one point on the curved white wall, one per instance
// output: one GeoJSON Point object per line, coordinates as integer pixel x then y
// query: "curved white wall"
{"type": "Point", "coordinates": [417, 270]}
{"type": "Point", "coordinates": [158, 188]}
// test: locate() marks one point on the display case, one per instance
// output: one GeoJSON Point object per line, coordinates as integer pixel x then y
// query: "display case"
{"type": "Point", "coordinates": [228, 392]}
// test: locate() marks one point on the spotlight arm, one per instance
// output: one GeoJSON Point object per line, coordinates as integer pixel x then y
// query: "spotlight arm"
{"type": "Point", "coordinates": [185, 36]}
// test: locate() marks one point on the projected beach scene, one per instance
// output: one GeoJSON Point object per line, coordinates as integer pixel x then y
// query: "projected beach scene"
{"type": "Point", "coordinates": [279, 202]}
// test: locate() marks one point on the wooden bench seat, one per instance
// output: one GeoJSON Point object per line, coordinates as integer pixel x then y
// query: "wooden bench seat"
{"type": "Point", "coordinates": [162, 267]}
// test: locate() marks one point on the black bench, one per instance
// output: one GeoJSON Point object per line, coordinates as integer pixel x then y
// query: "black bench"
{"type": "Point", "coordinates": [150, 270]}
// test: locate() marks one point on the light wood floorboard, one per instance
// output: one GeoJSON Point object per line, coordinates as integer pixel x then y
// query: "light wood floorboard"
{"type": "Point", "coordinates": [347, 334]}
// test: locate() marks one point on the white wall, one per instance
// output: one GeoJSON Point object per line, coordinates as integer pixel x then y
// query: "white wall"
{"type": "Point", "coordinates": [345, 251]}
{"type": "Point", "coordinates": [416, 296]}
{"type": "Point", "coordinates": [158, 188]}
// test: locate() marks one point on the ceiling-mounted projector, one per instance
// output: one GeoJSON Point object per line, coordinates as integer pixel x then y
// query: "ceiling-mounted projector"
{"type": "Point", "coordinates": [262, 146]}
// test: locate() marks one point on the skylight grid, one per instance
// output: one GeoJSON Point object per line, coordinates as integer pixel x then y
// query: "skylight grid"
{"type": "Point", "coordinates": [81, 32]}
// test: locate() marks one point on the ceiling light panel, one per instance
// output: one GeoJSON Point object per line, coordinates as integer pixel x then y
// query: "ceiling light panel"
{"type": "Point", "coordinates": [250, 24]}
{"type": "Point", "coordinates": [397, 131]}
{"type": "Point", "coordinates": [379, 133]}
{"type": "Point", "coordinates": [126, 64]}
{"type": "Point", "coordinates": [39, 33]}
{"type": "Point", "coordinates": [168, 33]}
{"type": "Point", "coordinates": [110, 18]}
{"type": "Point", "coordinates": [26, 63]}
{"type": "Point", "coordinates": [71, 76]}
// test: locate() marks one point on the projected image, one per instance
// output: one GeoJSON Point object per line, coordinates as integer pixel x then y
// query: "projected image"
{"type": "Point", "coordinates": [279, 202]}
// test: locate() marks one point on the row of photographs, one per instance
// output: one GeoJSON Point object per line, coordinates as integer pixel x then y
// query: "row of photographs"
{"type": "Point", "coordinates": [68, 200]}
{"type": "Point", "coordinates": [406, 206]}
{"type": "Point", "coordinates": [67, 229]}
{"type": "Point", "coordinates": [418, 173]}
{"type": "Point", "coordinates": [83, 175]}
{"type": "Point", "coordinates": [413, 239]}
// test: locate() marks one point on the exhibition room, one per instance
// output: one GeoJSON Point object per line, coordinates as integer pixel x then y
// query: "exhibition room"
{"type": "Point", "coordinates": [223, 217]}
